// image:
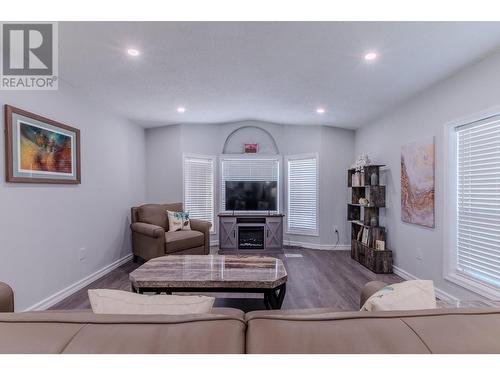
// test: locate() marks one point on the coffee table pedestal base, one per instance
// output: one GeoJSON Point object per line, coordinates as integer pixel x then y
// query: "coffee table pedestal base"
{"type": "Point", "coordinates": [273, 298]}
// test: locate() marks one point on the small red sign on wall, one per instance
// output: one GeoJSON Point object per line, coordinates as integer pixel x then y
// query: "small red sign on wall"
{"type": "Point", "coordinates": [251, 148]}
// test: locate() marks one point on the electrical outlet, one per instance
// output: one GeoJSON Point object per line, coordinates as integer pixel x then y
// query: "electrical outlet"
{"type": "Point", "coordinates": [335, 229]}
{"type": "Point", "coordinates": [419, 254]}
{"type": "Point", "coordinates": [82, 253]}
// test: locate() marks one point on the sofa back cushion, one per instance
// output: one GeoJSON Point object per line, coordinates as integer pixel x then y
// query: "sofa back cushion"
{"type": "Point", "coordinates": [424, 331]}
{"type": "Point", "coordinates": [85, 332]}
{"type": "Point", "coordinates": [156, 214]}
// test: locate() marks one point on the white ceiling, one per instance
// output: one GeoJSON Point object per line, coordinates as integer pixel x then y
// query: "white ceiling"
{"type": "Point", "coordinates": [271, 71]}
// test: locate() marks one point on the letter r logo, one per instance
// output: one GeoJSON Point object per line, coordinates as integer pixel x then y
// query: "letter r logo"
{"type": "Point", "coordinates": [27, 49]}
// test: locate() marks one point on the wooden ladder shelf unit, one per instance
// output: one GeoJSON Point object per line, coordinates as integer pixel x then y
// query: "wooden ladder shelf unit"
{"type": "Point", "coordinates": [365, 229]}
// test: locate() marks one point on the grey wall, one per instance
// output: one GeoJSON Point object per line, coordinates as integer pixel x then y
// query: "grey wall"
{"type": "Point", "coordinates": [472, 90]}
{"type": "Point", "coordinates": [335, 146]}
{"type": "Point", "coordinates": [42, 227]}
{"type": "Point", "coordinates": [164, 164]}
{"type": "Point", "coordinates": [337, 156]}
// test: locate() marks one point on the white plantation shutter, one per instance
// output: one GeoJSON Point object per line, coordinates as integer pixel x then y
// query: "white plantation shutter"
{"type": "Point", "coordinates": [478, 200]}
{"type": "Point", "coordinates": [199, 187]}
{"type": "Point", "coordinates": [302, 197]}
{"type": "Point", "coordinates": [248, 169]}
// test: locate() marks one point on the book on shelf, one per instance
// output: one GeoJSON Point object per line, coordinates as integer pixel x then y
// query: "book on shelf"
{"type": "Point", "coordinates": [360, 233]}
{"type": "Point", "coordinates": [379, 245]}
{"type": "Point", "coordinates": [366, 236]}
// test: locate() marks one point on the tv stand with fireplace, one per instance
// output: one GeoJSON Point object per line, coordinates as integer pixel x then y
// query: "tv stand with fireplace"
{"type": "Point", "coordinates": [238, 231]}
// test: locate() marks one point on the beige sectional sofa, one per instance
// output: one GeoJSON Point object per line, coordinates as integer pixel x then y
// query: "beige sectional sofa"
{"type": "Point", "coordinates": [232, 331]}
{"type": "Point", "coordinates": [6, 298]}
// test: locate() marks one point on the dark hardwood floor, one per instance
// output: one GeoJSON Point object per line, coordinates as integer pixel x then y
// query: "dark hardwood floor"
{"type": "Point", "coordinates": [317, 279]}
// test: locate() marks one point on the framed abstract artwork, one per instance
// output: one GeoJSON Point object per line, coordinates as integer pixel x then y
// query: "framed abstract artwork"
{"type": "Point", "coordinates": [40, 150]}
{"type": "Point", "coordinates": [417, 183]}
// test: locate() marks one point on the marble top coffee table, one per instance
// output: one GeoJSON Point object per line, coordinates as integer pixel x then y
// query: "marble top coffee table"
{"type": "Point", "coordinates": [213, 273]}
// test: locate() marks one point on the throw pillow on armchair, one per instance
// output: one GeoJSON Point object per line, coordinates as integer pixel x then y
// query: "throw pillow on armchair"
{"type": "Point", "coordinates": [178, 221]}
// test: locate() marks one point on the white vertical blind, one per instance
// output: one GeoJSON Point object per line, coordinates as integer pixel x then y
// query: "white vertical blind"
{"type": "Point", "coordinates": [248, 169]}
{"type": "Point", "coordinates": [199, 187]}
{"type": "Point", "coordinates": [478, 200]}
{"type": "Point", "coordinates": [302, 198]}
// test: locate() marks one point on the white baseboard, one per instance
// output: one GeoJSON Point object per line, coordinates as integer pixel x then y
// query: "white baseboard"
{"type": "Point", "coordinates": [315, 246]}
{"type": "Point", "coordinates": [441, 294]}
{"type": "Point", "coordinates": [66, 292]}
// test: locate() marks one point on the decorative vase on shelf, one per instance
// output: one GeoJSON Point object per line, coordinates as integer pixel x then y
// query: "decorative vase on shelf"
{"type": "Point", "coordinates": [361, 162]}
{"type": "Point", "coordinates": [363, 201]}
{"type": "Point", "coordinates": [355, 179]}
{"type": "Point", "coordinates": [374, 179]}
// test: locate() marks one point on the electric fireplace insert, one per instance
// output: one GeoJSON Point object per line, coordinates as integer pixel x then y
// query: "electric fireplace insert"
{"type": "Point", "coordinates": [251, 237]}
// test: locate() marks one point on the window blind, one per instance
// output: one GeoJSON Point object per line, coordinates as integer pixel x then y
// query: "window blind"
{"type": "Point", "coordinates": [199, 188]}
{"type": "Point", "coordinates": [302, 197]}
{"type": "Point", "coordinates": [248, 169]}
{"type": "Point", "coordinates": [478, 200]}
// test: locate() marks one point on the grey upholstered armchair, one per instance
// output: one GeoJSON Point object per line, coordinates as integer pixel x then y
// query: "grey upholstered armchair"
{"type": "Point", "coordinates": [151, 238]}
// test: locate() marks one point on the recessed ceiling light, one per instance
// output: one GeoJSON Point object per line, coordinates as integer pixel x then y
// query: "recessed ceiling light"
{"type": "Point", "coordinates": [133, 52]}
{"type": "Point", "coordinates": [181, 109]}
{"type": "Point", "coordinates": [370, 56]}
{"type": "Point", "coordinates": [320, 110]}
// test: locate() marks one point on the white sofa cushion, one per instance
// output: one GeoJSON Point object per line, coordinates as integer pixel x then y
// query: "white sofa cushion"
{"type": "Point", "coordinates": [107, 301]}
{"type": "Point", "coordinates": [408, 295]}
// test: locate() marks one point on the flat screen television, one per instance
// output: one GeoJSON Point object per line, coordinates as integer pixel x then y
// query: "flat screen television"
{"type": "Point", "coordinates": [251, 195]}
